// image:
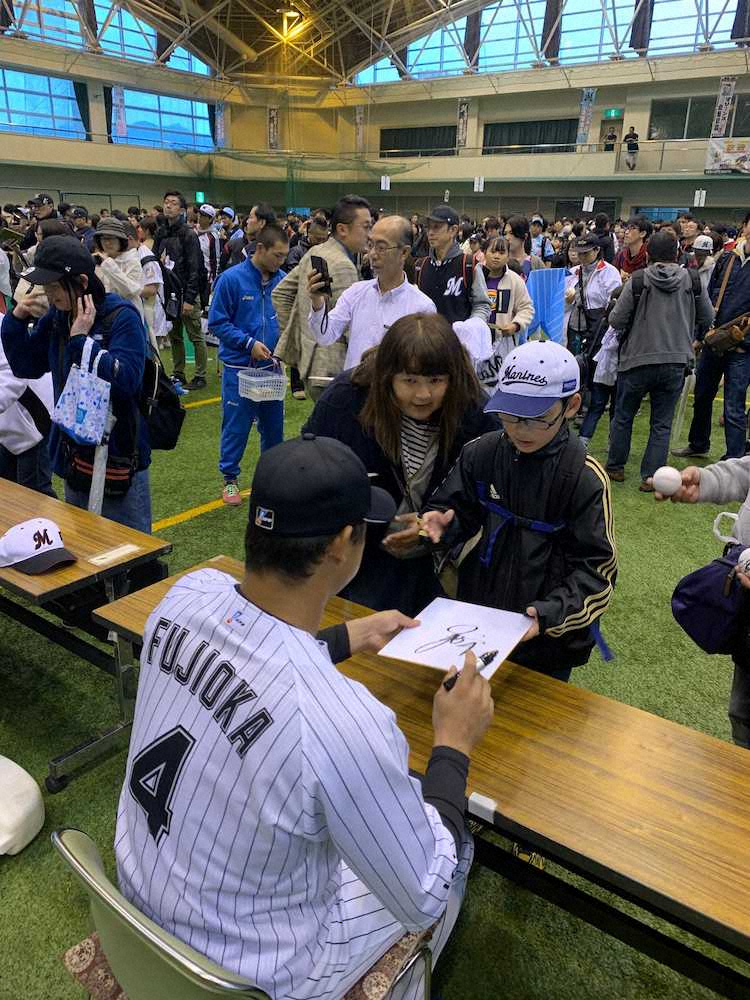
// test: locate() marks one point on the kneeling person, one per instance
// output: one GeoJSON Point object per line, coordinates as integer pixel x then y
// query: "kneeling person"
{"type": "Point", "coordinates": [268, 817]}
{"type": "Point", "coordinates": [544, 511]}
{"type": "Point", "coordinates": [242, 316]}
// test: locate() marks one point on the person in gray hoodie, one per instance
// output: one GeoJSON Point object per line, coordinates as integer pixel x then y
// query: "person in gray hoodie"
{"type": "Point", "coordinates": [726, 482]}
{"type": "Point", "coordinates": [656, 346]}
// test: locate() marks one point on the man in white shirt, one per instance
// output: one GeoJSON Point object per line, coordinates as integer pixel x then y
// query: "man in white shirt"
{"type": "Point", "coordinates": [367, 309]}
{"type": "Point", "coordinates": [210, 245]}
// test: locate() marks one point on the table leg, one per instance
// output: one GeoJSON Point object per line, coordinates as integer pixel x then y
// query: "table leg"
{"type": "Point", "coordinates": [60, 767]}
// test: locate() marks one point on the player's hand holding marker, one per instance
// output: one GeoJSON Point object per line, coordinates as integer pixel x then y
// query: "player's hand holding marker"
{"type": "Point", "coordinates": [462, 715]}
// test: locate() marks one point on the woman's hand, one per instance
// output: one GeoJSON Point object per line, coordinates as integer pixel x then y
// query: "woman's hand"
{"type": "Point", "coordinates": [85, 317]}
{"type": "Point", "coordinates": [400, 542]}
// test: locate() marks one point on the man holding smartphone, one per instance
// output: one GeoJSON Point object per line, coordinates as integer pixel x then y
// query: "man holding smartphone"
{"type": "Point", "coordinates": [367, 309]}
{"type": "Point", "coordinates": [351, 222]}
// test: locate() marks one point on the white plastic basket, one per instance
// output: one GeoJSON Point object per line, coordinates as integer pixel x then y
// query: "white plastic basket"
{"type": "Point", "coordinates": [262, 385]}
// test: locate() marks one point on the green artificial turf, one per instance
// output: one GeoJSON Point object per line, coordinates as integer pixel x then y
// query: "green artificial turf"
{"type": "Point", "coordinates": [509, 945]}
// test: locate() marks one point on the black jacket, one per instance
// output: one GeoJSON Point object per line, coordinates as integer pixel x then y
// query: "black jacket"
{"type": "Point", "coordinates": [383, 581]}
{"type": "Point", "coordinates": [183, 247]}
{"type": "Point", "coordinates": [568, 576]}
{"type": "Point", "coordinates": [606, 242]}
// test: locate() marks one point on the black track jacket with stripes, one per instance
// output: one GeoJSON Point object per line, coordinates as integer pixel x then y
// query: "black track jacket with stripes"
{"type": "Point", "coordinates": [568, 576]}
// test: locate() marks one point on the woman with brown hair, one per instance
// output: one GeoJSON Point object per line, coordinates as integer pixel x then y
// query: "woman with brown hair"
{"type": "Point", "coordinates": [407, 410]}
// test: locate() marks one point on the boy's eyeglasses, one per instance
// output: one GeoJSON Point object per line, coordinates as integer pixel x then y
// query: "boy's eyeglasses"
{"type": "Point", "coordinates": [535, 423]}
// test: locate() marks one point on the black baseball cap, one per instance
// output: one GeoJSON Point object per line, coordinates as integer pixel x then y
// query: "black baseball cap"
{"type": "Point", "coordinates": [586, 243]}
{"type": "Point", "coordinates": [59, 257]}
{"type": "Point", "coordinates": [314, 486]}
{"type": "Point", "coordinates": [444, 213]}
{"type": "Point", "coordinates": [79, 213]}
{"type": "Point", "coordinates": [42, 199]}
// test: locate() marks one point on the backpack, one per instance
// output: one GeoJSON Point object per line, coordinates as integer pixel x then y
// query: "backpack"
{"type": "Point", "coordinates": [172, 300]}
{"type": "Point", "coordinates": [638, 285]}
{"type": "Point", "coordinates": [158, 403]}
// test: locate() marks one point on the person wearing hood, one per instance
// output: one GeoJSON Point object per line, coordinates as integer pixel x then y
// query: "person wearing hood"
{"type": "Point", "coordinates": [455, 283]}
{"type": "Point", "coordinates": [118, 267]}
{"type": "Point", "coordinates": [654, 352]}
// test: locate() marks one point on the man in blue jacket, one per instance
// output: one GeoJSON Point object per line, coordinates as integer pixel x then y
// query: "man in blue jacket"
{"type": "Point", "coordinates": [80, 308]}
{"type": "Point", "coordinates": [242, 316]}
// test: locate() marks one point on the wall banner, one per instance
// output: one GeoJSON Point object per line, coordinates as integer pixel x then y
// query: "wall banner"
{"type": "Point", "coordinates": [588, 96]}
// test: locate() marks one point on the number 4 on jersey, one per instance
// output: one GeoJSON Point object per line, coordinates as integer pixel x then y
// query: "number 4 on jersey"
{"type": "Point", "coordinates": [154, 776]}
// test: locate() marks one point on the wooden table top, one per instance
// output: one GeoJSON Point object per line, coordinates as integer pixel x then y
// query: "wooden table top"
{"type": "Point", "coordinates": [651, 806]}
{"type": "Point", "coordinates": [102, 547]}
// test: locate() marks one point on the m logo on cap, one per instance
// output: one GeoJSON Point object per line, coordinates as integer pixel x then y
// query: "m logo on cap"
{"type": "Point", "coordinates": [264, 518]}
{"type": "Point", "coordinates": [41, 538]}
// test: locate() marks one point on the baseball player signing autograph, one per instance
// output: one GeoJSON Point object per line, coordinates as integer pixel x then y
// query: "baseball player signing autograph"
{"type": "Point", "coordinates": [268, 817]}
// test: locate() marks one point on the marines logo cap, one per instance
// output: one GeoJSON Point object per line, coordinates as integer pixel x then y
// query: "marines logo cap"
{"type": "Point", "coordinates": [34, 546]}
{"type": "Point", "coordinates": [314, 486]}
{"type": "Point", "coordinates": [533, 378]}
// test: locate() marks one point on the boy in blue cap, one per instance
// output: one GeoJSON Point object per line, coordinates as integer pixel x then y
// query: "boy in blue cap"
{"type": "Point", "coordinates": [544, 511]}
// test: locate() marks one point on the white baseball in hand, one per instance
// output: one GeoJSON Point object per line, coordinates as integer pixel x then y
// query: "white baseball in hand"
{"type": "Point", "coordinates": [667, 480]}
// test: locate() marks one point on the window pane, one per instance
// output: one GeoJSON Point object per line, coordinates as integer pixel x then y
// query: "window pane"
{"type": "Point", "coordinates": [700, 117]}
{"type": "Point", "coordinates": [668, 119]}
{"type": "Point", "coordinates": [742, 118]}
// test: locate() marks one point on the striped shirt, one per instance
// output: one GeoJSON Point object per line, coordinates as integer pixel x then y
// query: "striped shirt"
{"type": "Point", "coordinates": [267, 817]}
{"type": "Point", "coordinates": [416, 438]}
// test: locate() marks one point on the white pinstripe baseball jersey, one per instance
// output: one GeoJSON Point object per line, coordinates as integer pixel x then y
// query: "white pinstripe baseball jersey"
{"type": "Point", "coordinates": [267, 817]}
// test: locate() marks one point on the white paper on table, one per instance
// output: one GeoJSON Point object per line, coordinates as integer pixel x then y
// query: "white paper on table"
{"type": "Point", "coordinates": [450, 629]}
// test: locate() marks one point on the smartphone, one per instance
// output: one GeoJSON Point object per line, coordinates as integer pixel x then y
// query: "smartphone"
{"type": "Point", "coordinates": [320, 266]}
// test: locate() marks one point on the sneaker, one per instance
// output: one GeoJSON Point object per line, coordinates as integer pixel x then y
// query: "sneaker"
{"type": "Point", "coordinates": [524, 853]}
{"type": "Point", "coordinates": [646, 486]}
{"type": "Point", "coordinates": [584, 441]}
{"type": "Point", "coordinates": [177, 379]}
{"type": "Point", "coordinates": [689, 452]}
{"type": "Point", "coordinates": [196, 383]}
{"type": "Point", "coordinates": [299, 394]}
{"type": "Point", "coordinates": [616, 475]}
{"type": "Point", "coordinates": [231, 494]}
{"type": "Point", "coordinates": [180, 389]}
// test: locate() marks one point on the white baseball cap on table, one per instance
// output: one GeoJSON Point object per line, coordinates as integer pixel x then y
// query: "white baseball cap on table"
{"type": "Point", "coordinates": [533, 378]}
{"type": "Point", "coordinates": [208, 210]}
{"type": "Point", "coordinates": [34, 546]}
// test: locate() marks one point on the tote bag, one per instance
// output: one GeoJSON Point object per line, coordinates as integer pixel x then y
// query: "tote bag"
{"type": "Point", "coordinates": [81, 410]}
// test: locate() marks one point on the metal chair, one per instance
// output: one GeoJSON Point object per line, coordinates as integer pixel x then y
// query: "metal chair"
{"type": "Point", "coordinates": [145, 959]}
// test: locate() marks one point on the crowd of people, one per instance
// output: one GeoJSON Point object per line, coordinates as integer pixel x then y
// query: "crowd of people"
{"type": "Point", "coordinates": [446, 421]}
